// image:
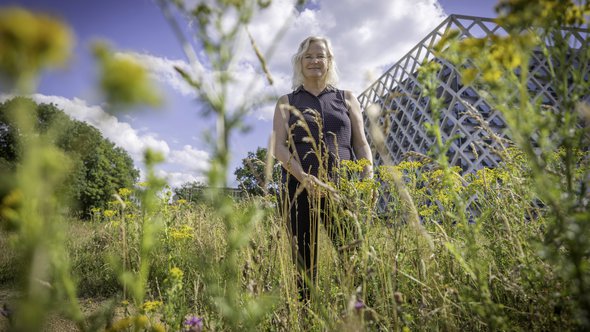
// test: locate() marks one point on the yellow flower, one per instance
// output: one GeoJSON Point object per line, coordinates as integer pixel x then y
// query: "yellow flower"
{"type": "Point", "coordinates": [492, 75]}
{"type": "Point", "coordinates": [10, 204]}
{"type": "Point", "coordinates": [471, 47]}
{"type": "Point", "coordinates": [14, 198]}
{"type": "Point", "coordinates": [365, 185]}
{"type": "Point", "coordinates": [409, 165]}
{"type": "Point", "coordinates": [158, 328]}
{"type": "Point", "coordinates": [152, 306]}
{"type": "Point", "coordinates": [109, 213]}
{"type": "Point", "coordinates": [141, 321]}
{"type": "Point", "coordinates": [176, 273]}
{"type": "Point", "coordinates": [31, 41]}
{"type": "Point", "coordinates": [182, 232]}
{"type": "Point", "coordinates": [427, 211]}
{"type": "Point", "coordinates": [124, 192]}
{"type": "Point", "coordinates": [446, 39]}
{"type": "Point", "coordinates": [121, 324]}
{"type": "Point", "coordinates": [468, 75]}
{"type": "Point", "coordinates": [124, 80]}
{"type": "Point", "coordinates": [354, 166]}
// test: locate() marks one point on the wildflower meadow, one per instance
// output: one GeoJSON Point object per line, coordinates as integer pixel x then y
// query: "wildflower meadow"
{"type": "Point", "coordinates": [501, 249]}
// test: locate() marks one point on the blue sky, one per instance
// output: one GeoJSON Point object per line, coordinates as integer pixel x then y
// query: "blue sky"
{"type": "Point", "coordinates": [367, 40]}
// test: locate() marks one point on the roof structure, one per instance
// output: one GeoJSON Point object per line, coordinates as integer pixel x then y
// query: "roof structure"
{"type": "Point", "coordinates": [404, 108]}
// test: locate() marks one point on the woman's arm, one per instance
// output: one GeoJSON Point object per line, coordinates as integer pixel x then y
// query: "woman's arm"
{"type": "Point", "coordinates": [280, 129]}
{"type": "Point", "coordinates": [359, 140]}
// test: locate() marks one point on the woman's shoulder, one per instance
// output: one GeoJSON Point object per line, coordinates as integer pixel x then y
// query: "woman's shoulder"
{"type": "Point", "coordinates": [352, 103]}
{"type": "Point", "coordinates": [284, 99]}
{"type": "Point", "coordinates": [347, 93]}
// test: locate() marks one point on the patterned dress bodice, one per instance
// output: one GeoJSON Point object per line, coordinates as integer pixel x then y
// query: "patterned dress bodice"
{"type": "Point", "coordinates": [328, 121]}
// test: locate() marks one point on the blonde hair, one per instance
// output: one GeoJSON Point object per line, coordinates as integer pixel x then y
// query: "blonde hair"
{"type": "Point", "coordinates": [332, 73]}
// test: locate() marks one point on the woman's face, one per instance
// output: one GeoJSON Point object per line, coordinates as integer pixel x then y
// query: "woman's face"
{"type": "Point", "coordinates": [314, 62]}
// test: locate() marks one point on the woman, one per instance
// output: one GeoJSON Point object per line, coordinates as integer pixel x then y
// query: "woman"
{"type": "Point", "coordinates": [314, 127]}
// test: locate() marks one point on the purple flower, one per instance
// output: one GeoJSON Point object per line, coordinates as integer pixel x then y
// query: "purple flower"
{"type": "Point", "coordinates": [359, 304]}
{"type": "Point", "coordinates": [194, 324]}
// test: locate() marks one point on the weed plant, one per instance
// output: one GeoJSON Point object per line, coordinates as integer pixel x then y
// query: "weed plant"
{"type": "Point", "coordinates": [500, 249]}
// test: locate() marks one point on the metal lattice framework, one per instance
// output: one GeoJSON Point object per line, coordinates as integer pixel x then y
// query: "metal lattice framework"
{"type": "Point", "coordinates": [404, 108]}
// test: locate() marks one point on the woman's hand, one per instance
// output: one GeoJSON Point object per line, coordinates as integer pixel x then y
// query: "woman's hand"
{"type": "Point", "coordinates": [316, 187]}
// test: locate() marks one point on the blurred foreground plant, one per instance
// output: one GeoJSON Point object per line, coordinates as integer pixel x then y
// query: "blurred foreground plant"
{"type": "Point", "coordinates": [554, 137]}
{"type": "Point", "coordinates": [219, 25]}
{"type": "Point", "coordinates": [34, 211]}
{"type": "Point", "coordinates": [31, 42]}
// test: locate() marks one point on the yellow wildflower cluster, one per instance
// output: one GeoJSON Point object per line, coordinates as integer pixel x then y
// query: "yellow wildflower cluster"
{"type": "Point", "coordinates": [436, 178]}
{"type": "Point", "coordinates": [152, 306]}
{"type": "Point", "coordinates": [157, 327]}
{"type": "Point", "coordinates": [427, 211]}
{"type": "Point", "coordinates": [10, 205]}
{"type": "Point", "coordinates": [140, 322]}
{"type": "Point", "coordinates": [407, 170]}
{"type": "Point", "coordinates": [492, 57]}
{"type": "Point", "coordinates": [485, 178]}
{"type": "Point", "coordinates": [442, 187]}
{"type": "Point", "coordinates": [429, 189]}
{"type": "Point", "coordinates": [409, 165]}
{"type": "Point", "coordinates": [386, 173]}
{"type": "Point", "coordinates": [352, 183]}
{"type": "Point", "coordinates": [522, 14]}
{"type": "Point", "coordinates": [365, 186]}
{"type": "Point", "coordinates": [35, 40]}
{"type": "Point", "coordinates": [124, 80]}
{"type": "Point", "coordinates": [182, 232]}
{"type": "Point", "coordinates": [125, 192]}
{"type": "Point", "coordinates": [176, 273]}
{"type": "Point", "coordinates": [354, 166]}
{"type": "Point", "coordinates": [109, 213]}
{"type": "Point", "coordinates": [515, 155]}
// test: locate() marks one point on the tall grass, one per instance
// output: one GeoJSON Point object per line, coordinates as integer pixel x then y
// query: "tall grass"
{"type": "Point", "coordinates": [485, 275]}
{"type": "Point", "coordinates": [428, 263]}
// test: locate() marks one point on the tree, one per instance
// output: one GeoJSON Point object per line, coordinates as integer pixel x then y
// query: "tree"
{"type": "Point", "coordinates": [190, 191]}
{"type": "Point", "coordinates": [251, 175]}
{"type": "Point", "coordinates": [97, 168]}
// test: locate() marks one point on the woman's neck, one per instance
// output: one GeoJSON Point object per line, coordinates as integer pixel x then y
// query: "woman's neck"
{"type": "Point", "coordinates": [314, 86]}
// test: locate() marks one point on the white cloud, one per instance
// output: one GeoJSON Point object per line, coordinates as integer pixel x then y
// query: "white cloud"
{"type": "Point", "coordinates": [190, 158]}
{"type": "Point", "coordinates": [187, 164]}
{"type": "Point", "coordinates": [177, 179]}
{"type": "Point", "coordinates": [120, 133]}
{"type": "Point", "coordinates": [367, 37]}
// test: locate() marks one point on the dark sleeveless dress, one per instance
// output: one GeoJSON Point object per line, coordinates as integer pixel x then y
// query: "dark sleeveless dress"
{"type": "Point", "coordinates": [329, 124]}
{"type": "Point", "coordinates": [335, 136]}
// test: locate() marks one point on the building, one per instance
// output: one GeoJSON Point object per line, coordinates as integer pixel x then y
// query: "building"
{"type": "Point", "coordinates": [404, 109]}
